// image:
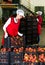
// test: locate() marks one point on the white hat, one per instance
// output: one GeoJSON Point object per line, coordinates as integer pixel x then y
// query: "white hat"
{"type": "Point", "coordinates": [39, 12]}
{"type": "Point", "coordinates": [20, 12]}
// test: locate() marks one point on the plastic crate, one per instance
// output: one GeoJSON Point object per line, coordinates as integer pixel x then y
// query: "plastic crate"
{"type": "Point", "coordinates": [34, 27]}
{"type": "Point", "coordinates": [4, 63]}
{"type": "Point", "coordinates": [29, 63]}
{"type": "Point", "coordinates": [30, 57]}
{"type": "Point", "coordinates": [31, 49]}
{"type": "Point", "coordinates": [17, 41]}
{"type": "Point", "coordinates": [14, 41]}
{"type": "Point", "coordinates": [29, 28]}
{"type": "Point", "coordinates": [34, 32]}
{"type": "Point", "coordinates": [16, 57]}
{"type": "Point", "coordinates": [4, 58]}
{"type": "Point", "coordinates": [41, 57]}
{"type": "Point", "coordinates": [35, 24]}
{"type": "Point", "coordinates": [42, 63]}
{"type": "Point", "coordinates": [17, 63]}
{"type": "Point", "coordinates": [42, 48]}
{"type": "Point", "coordinates": [28, 33]}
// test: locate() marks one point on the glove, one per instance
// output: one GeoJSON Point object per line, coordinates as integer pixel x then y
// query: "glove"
{"type": "Point", "coordinates": [6, 35]}
{"type": "Point", "coordinates": [20, 34]}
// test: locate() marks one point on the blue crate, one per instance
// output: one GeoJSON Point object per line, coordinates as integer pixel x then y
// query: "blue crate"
{"type": "Point", "coordinates": [16, 63]}
{"type": "Point", "coordinates": [4, 64]}
{"type": "Point", "coordinates": [14, 57]}
{"type": "Point", "coordinates": [42, 63]}
{"type": "Point", "coordinates": [4, 58]}
{"type": "Point", "coordinates": [29, 63]}
{"type": "Point", "coordinates": [4, 55]}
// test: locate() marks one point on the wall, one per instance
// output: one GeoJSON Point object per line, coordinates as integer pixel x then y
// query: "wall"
{"type": "Point", "coordinates": [32, 3]}
{"type": "Point", "coordinates": [0, 12]}
{"type": "Point", "coordinates": [26, 3]}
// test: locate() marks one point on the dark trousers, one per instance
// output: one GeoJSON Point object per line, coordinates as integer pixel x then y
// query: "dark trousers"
{"type": "Point", "coordinates": [38, 39]}
{"type": "Point", "coordinates": [7, 42]}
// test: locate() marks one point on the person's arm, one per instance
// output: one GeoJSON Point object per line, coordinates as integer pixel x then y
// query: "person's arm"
{"type": "Point", "coordinates": [5, 26]}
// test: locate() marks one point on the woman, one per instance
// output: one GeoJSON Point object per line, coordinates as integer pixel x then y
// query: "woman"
{"type": "Point", "coordinates": [11, 27]}
{"type": "Point", "coordinates": [39, 19]}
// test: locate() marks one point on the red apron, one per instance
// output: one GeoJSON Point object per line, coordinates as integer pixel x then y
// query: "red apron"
{"type": "Point", "coordinates": [39, 24]}
{"type": "Point", "coordinates": [39, 29]}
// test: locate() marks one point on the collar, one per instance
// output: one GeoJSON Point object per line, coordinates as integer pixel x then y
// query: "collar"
{"type": "Point", "coordinates": [15, 20]}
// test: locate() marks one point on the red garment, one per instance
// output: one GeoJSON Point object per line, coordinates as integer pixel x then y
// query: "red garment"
{"type": "Point", "coordinates": [39, 24]}
{"type": "Point", "coordinates": [3, 40]}
{"type": "Point", "coordinates": [12, 29]}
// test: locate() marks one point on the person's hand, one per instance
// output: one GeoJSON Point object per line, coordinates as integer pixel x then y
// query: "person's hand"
{"type": "Point", "coordinates": [20, 34]}
{"type": "Point", "coordinates": [6, 35]}
{"type": "Point", "coordinates": [37, 20]}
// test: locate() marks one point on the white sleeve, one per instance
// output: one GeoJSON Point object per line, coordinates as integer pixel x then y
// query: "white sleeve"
{"type": "Point", "coordinates": [6, 24]}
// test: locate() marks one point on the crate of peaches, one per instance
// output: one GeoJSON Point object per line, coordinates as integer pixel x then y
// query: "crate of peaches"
{"type": "Point", "coordinates": [31, 49]}
{"type": "Point", "coordinates": [4, 56]}
{"type": "Point", "coordinates": [16, 55]}
{"type": "Point", "coordinates": [17, 41]}
{"type": "Point", "coordinates": [30, 59]}
{"type": "Point", "coordinates": [41, 58]}
{"type": "Point", "coordinates": [41, 49]}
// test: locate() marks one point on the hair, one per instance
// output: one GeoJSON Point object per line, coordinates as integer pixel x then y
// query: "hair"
{"type": "Point", "coordinates": [13, 15]}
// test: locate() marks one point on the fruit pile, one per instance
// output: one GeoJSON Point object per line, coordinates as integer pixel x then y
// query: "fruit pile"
{"type": "Point", "coordinates": [3, 50]}
{"type": "Point", "coordinates": [41, 49]}
{"type": "Point", "coordinates": [30, 49]}
{"type": "Point", "coordinates": [33, 54]}
{"type": "Point", "coordinates": [42, 57]}
{"type": "Point", "coordinates": [30, 58]}
{"type": "Point", "coordinates": [4, 55]}
{"type": "Point", "coordinates": [18, 50]}
{"type": "Point", "coordinates": [17, 41]}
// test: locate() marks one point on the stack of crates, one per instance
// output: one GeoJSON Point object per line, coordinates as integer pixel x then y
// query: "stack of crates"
{"type": "Point", "coordinates": [22, 28]}
{"type": "Point", "coordinates": [31, 32]}
{"type": "Point", "coordinates": [16, 54]}
{"type": "Point", "coordinates": [30, 56]}
{"type": "Point", "coordinates": [34, 30]}
{"type": "Point", "coordinates": [28, 27]}
{"type": "Point", "coordinates": [41, 54]}
{"type": "Point", "coordinates": [34, 56]}
{"type": "Point", "coordinates": [16, 57]}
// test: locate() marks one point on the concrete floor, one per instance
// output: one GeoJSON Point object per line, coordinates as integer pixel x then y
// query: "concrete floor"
{"type": "Point", "coordinates": [42, 36]}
